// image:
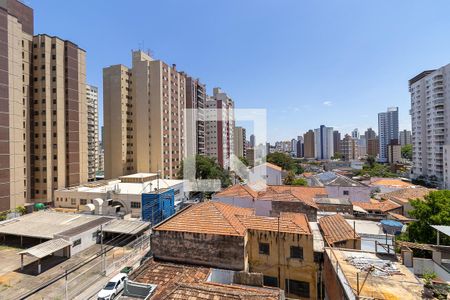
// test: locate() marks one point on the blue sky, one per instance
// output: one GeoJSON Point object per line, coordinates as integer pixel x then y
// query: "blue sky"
{"type": "Point", "coordinates": [308, 63]}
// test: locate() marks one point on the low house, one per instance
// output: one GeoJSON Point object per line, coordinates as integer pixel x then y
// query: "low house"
{"type": "Point", "coordinates": [165, 280]}
{"type": "Point", "coordinates": [338, 233]}
{"type": "Point", "coordinates": [339, 186]}
{"type": "Point", "coordinates": [343, 206]}
{"type": "Point", "coordinates": [386, 185]}
{"type": "Point", "coordinates": [379, 208]}
{"type": "Point", "coordinates": [355, 274]}
{"type": "Point", "coordinates": [274, 199]}
{"type": "Point", "coordinates": [218, 235]}
{"type": "Point", "coordinates": [403, 197]}
{"type": "Point", "coordinates": [270, 173]}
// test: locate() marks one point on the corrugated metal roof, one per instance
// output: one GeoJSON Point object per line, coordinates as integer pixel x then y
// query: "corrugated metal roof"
{"type": "Point", "coordinates": [126, 226]}
{"type": "Point", "coordinates": [442, 228]}
{"type": "Point", "coordinates": [46, 248]}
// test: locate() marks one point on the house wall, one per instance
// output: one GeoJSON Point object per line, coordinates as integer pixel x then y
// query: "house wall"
{"type": "Point", "coordinates": [262, 208]}
{"type": "Point", "coordinates": [293, 206]}
{"type": "Point", "coordinates": [88, 238]}
{"type": "Point", "coordinates": [279, 254]}
{"type": "Point", "coordinates": [217, 251]}
{"type": "Point", "coordinates": [355, 193]}
{"type": "Point", "coordinates": [349, 244]}
{"type": "Point", "coordinates": [262, 172]}
{"type": "Point", "coordinates": [341, 208]}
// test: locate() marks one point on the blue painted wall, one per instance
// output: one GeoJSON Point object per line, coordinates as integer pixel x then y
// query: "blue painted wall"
{"type": "Point", "coordinates": [157, 207]}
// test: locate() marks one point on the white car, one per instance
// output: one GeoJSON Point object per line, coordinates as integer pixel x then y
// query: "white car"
{"type": "Point", "coordinates": [113, 287]}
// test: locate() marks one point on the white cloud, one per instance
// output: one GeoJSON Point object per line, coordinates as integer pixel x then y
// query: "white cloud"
{"type": "Point", "coordinates": [327, 103]}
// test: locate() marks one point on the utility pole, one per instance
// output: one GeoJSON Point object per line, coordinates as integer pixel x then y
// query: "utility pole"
{"type": "Point", "coordinates": [279, 250]}
{"type": "Point", "coordinates": [102, 250]}
{"type": "Point", "coordinates": [66, 286]}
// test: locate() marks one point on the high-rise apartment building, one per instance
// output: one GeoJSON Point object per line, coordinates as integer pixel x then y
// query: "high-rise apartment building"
{"type": "Point", "coordinates": [93, 138]}
{"type": "Point", "coordinates": [405, 137]}
{"type": "Point", "coordinates": [219, 127]}
{"type": "Point", "coordinates": [323, 142]}
{"type": "Point", "coordinates": [349, 148]}
{"type": "Point", "coordinates": [355, 133]}
{"type": "Point", "coordinates": [16, 34]}
{"type": "Point", "coordinates": [309, 144]}
{"type": "Point", "coordinates": [195, 117]}
{"type": "Point", "coordinates": [373, 147]}
{"type": "Point", "coordinates": [60, 117]}
{"type": "Point", "coordinates": [240, 139]}
{"type": "Point", "coordinates": [387, 131]}
{"type": "Point", "coordinates": [300, 147]}
{"type": "Point", "coordinates": [370, 134]}
{"type": "Point", "coordinates": [394, 153]}
{"type": "Point", "coordinates": [143, 117]}
{"type": "Point", "coordinates": [252, 141]}
{"type": "Point", "coordinates": [430, 100]}
{"type": "Point", "coordinates": [336, 141]}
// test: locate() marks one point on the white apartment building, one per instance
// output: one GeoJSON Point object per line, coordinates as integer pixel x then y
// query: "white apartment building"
{"type": "Point", "coordinates": [387, 131]}
{"type": "Point", "coordinates": [323, 142]}
{"type": "Point", "coordinates": [220, 127]}
{"type": "Point", "coordinates": [430, 111]}
{"type": "Point", "coordinates": [93, 140]}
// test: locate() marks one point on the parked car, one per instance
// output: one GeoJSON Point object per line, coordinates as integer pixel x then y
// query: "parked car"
{"type": "Point", "coordinates": [113, 287]}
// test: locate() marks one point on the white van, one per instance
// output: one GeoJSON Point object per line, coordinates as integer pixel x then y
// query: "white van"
{"type": "Point", "coordinates": [113, 287]}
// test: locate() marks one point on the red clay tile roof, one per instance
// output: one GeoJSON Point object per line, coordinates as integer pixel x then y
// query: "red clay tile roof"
{"type": "Point", "coordinates": [167, 276]}
{"type": "Point", "coordinates": [383, 206]}
{"type": "Point", "coordinates": [393, 182]}
{"type": "Point", "coordinates": [208, 217]}
{"type": "Point", "coordinates": [405, 195]}
{"type": "Point", "coordinates": [276, 193]}
{"type": "Point", "coordinates": [217, 291]}
{"type": "Point", "coordinates": [215, 217]}
{"type": "Point", "coordinates": [288, 222]}
{"type": "Point", "coordinates": [336, 229]}
{"type": "Point", "coordinates": [399, 217]}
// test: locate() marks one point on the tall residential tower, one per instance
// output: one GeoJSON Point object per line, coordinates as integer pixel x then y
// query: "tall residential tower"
{"type": "Point", "coordinates": [387, 131]}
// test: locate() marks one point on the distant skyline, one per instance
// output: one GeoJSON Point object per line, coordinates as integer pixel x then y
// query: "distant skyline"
{"type": "Point", "coordinates": [337, 63]}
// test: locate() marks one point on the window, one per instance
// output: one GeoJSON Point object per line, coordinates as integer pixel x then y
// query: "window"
{"type": "Point", "coordinates": [346, 193]}
{"type": "Point", "coordinates": [73, 201]}
{"type": "Point", "coordinates": [264, 248]}
{"type": "Point", "coordinates": [299, 288]}
{"type": "Point", "coordinates": [76, 242]}
{"type": "Point", "coordinates": [135, 204]}
{"type": "Point", "coordinates": [83, 201]}
{"type": "Point", "coordinates": [296, 252]}
{"type": "Point", "coordinates": [270, 281]}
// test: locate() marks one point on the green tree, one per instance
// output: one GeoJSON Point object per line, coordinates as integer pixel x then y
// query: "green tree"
{"type": "Point", "coordinates": [208, 168]}
{"type": "Point", "coordinates": [289, 179]}
{"type": "Point", "coordinates": [407, 151]}
{"type": "Point", "coordinates": [300, 182]}
{"type": "Point", "coordinates": [338, 155]}
{"type": "Point", "coordinates": [434, 210]}
{"type": "Point", "coordinates": [370, 160]}
{"type": "Point", "coordinates": [282, 160]}
{"type": "Point", "coordinates": [377, 170]}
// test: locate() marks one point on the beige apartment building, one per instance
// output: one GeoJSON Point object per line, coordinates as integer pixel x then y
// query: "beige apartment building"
{"type": "Point", "coordinates": [240, 141]}
{"type": "Point", "coordinates": [59, 154]}
{"type": "Point", "coordinates": [143, 117]}
{"type": "Point", "coordinates": [92, 123]}
{"type": "Point", "coordinates": [16, 34]}
{"type": "Point", "coordinates": [309, 144]}
{"type": "Point", "coordinates": [220, 127]}
{"type": "Point", "coordinates": [349, 148]}
{"type": "Point", "coordinates": [195, 117]}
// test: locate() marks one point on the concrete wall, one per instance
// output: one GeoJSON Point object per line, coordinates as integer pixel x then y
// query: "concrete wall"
{"type": "Point", "coordinates": [290, 268]}
{"type": "Point", "coordinates": [294, 206]}
{"type": "Point", "coordinates": [262, 172]}
{"type": "Point", "coordinates": [355, 193]}
{"type": "Point", "coordinates": [333, 288]}
{"type": "Point", "coordinates": [424, 265]}
{"type": "Point", "coordinates": [217, 251]}
{"type": "Point", "coordinates": [87, 240]}
{"type": "Point", "coordinates": [262, 208]}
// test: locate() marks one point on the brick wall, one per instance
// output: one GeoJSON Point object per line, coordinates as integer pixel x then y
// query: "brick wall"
{"type": "Point", "coordinates": [219, 251]}
{"type": "Point", "coordinates": [294, 206]}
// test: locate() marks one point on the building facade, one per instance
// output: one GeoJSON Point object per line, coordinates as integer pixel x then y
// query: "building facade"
{"type": "Point", "coordinates": [60, 121]}
{"type": "Point", "coordinates": [349, 148]}
{"type": "Point", "coordinates": [405, 137]}
{"type": "Point", "coordinates": [240, 142]}
{"type": "Point", "coordinates": [387, 131]}
{"type": "Point", "coordinates": [16, 22]}
{"type": "Point", "coordinates": [219, 126]}
{"type": "Point", "coordinates": [373, 147]}
{"type": "Point", "coordinates": [430, 110]}
{"type": "Point", "coordinates": [336, 141]}
{"type": "Point", "coordinates": [93, 138]}
{"type": "Point", "coordinates": [195, 117]}
{"type": "Point", "coordinates": [309, 144]}
{"type": "Point", "coordinates": [323, 142]}
{"type": "Point", "coordinates": [143, 117]}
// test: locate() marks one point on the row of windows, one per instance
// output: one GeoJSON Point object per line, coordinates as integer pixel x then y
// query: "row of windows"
{"type": "Point", "coordinates": [296, 252]}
